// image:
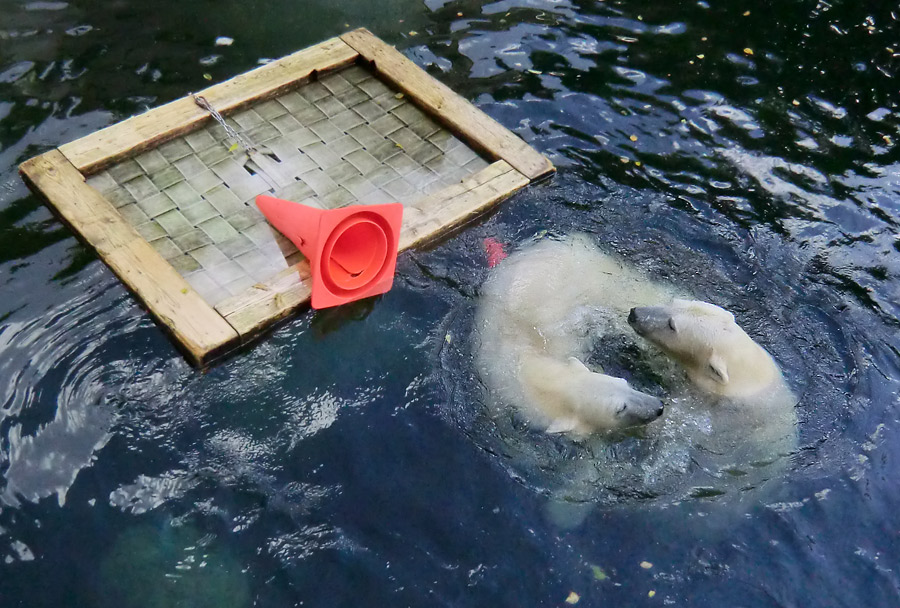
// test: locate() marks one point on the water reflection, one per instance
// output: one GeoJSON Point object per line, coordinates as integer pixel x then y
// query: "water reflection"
{"type": "Point", "coordinates": [59, 401]}
{"type": "Point", "coordinates": [749, 152]}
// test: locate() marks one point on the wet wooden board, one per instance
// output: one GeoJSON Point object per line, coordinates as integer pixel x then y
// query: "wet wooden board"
{"type": "Point", "coordinates": [477, 128]}
{"type": "Point", "coordinates": [166, 198]}
{"type": "Point", "coordinates": [194, 324]}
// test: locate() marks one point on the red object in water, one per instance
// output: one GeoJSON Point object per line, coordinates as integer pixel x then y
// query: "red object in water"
{"type": "Point", "coordinates": [352, 251]}
{"type": "Point", "coordinates": [495, 251]}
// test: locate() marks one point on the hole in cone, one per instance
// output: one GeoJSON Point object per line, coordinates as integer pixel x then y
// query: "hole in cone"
{"type": "Point", "coordinates": [356, 253]}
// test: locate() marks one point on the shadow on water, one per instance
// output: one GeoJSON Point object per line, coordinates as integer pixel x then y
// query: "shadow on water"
{"type": "Point", "coordinates": [745, 153]}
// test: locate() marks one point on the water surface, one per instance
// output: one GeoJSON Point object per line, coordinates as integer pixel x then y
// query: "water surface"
{"type": "Point", "coordinates": [747, 153]}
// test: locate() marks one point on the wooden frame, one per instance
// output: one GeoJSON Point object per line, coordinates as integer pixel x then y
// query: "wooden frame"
{"type": "Point", "coordinates": [204, 332]}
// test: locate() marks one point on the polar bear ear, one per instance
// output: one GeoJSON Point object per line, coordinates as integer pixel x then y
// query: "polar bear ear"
{"type": "Point", "coordinates": [718, 368]}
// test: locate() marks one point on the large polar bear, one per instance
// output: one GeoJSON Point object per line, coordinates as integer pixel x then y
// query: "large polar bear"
{"type": "Point", "coordinates": [729, 421]}
{"type": "Point", "coordinates": [746, 389]}
{"type": "Point", "coordinates": [543, 309]}
{"type": "Point", "coordinates": [539, 313]}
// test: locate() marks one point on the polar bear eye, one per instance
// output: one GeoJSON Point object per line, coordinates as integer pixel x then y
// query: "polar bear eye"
{"type": "Point", "coordinates": [620, 409]}
{"type": "Point", "coordinates": [672, 324]}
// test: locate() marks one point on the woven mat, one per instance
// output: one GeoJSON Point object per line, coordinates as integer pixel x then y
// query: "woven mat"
{"type": "Point", "coordinates": [345, 139]}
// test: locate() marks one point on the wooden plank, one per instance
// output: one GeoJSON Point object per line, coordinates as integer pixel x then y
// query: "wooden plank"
{"type": "Point", "coordinates": [197, 327]}
{"type": "Point", "coordinates": [265, 303]}
{"type": "Point", "coordinates": [249, 313]}
{"type": "Point", "coordinates": [434, 215]}
{"type": "Point", "coordinates": [79, 205]}
{"type": "Point", "coordinates": [97, 150]}
{"type": "Point", "coordinates": [477, 128]}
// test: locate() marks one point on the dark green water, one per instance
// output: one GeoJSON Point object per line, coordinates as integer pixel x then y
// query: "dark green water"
{"type": "Point", "coordinates": [747, 152]}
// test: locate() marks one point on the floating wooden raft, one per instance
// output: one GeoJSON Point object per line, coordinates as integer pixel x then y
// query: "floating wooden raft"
{"type": "Point", "coordinates": [167, 198]}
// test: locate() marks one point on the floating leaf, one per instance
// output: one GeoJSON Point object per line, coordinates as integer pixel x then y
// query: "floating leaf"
{"type": "Point", "coordinates": [184, 290]}
{"type": "Point", "coordinates": [447, 338]}
{"type": "Point", "coordinates": [413, 33]}
{"type": "Point", "coordinates": [573, 598]}
{"type": "Point", "coordinates": [534, 71]}
{"type": "Point", "coordinates": [207, 76]}
{"type": "Point", "coordinates": [623, 160]}
{"type": "Point", "coordinates": [748, 51]}
{"type": "Point", "coordinates": [633, 138]}
{"type": "Point", "coordinates": [599, 574]}
{"type": "Point", "coordinates": [646, 565]}
{"type": "Point", "coordinates": [701, 56]}
{"type": "Point", "coordinates": [233, 147]}
{"type": "Point", "coordinates": [651, 593]}
{"type": "Point", "coordinates": [398, 96]}
{"type": "Point", "coordinates": [746, 13]}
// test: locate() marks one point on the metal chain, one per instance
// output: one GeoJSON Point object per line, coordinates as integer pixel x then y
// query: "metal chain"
{"type": "Point", "coordinates": [239, 139]}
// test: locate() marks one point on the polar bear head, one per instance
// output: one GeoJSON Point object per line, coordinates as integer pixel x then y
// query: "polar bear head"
{"type": "Point", "coordinates": [607, 402]}
{"type": "Point", "coordinates": [716, 353]}
{"type": "Point", "coordinates": [575, 399]}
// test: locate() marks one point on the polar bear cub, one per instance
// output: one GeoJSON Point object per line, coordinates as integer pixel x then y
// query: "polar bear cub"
{"type": "Point", "coordinates": [723, 361]}
{"type": "Point", "coordinates": [538, 315]}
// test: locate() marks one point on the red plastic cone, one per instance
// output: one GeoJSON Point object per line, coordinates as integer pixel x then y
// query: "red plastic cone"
{"type": "Point", "coordinates": [352, 251]}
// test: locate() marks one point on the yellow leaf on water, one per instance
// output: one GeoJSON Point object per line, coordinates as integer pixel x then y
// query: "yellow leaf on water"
{"type": "Point", "coordinates": [633, 138]}
{"type": "Point", "coordinates": [748, 51]}
{"type": "Point", "coordinates": [651, 593]}
{"type": "Point", "coordinates": [573, 598]}
{"type": "Point", "coordinates": [637, 163]}
{"type": "Point", "coordinates": [623, 160]}
{"type": "Point", "coordinates": [413, 33]}
{"type": "Point", "coordinates": [233, 147]}
{"type": "Point", "coordinates": [599, 574]}
{"type": "Point", "coordinates": [795, 102]}
{"type": "Point", "coordinates": [646, 565]}
{"type": "Point", "coordinates": [746, 13]}
{"type": "Point", "coordinates": [207, 76]}
{"type": "Point", "coordinates": [398, 96]}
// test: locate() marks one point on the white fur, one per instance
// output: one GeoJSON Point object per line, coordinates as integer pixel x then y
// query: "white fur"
{"type": "Point", "coordinates": [538, 314]}
{"type": "Point", "coordinates": [551, 300]}
{"type": "Point", "coordinates": [750, 394]}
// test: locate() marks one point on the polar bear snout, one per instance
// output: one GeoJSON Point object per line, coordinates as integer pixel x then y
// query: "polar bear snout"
{"type": "Point", "coordinates": [646, 320]}
{"type": "Point", "coordinates": [640, 408]}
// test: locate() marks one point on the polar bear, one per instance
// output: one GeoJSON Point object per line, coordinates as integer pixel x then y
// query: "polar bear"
{"type": "Point", "coordinates": [749, 395]}
{"type": "Point", "coordinates": [539, 313]}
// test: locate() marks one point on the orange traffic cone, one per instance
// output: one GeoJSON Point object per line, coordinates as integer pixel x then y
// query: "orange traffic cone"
{"type": "Point", "coordinates": [352, 251]}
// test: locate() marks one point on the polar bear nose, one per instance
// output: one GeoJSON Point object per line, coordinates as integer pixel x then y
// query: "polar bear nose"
{"type": "Point", "coordinates": [632, 316]}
